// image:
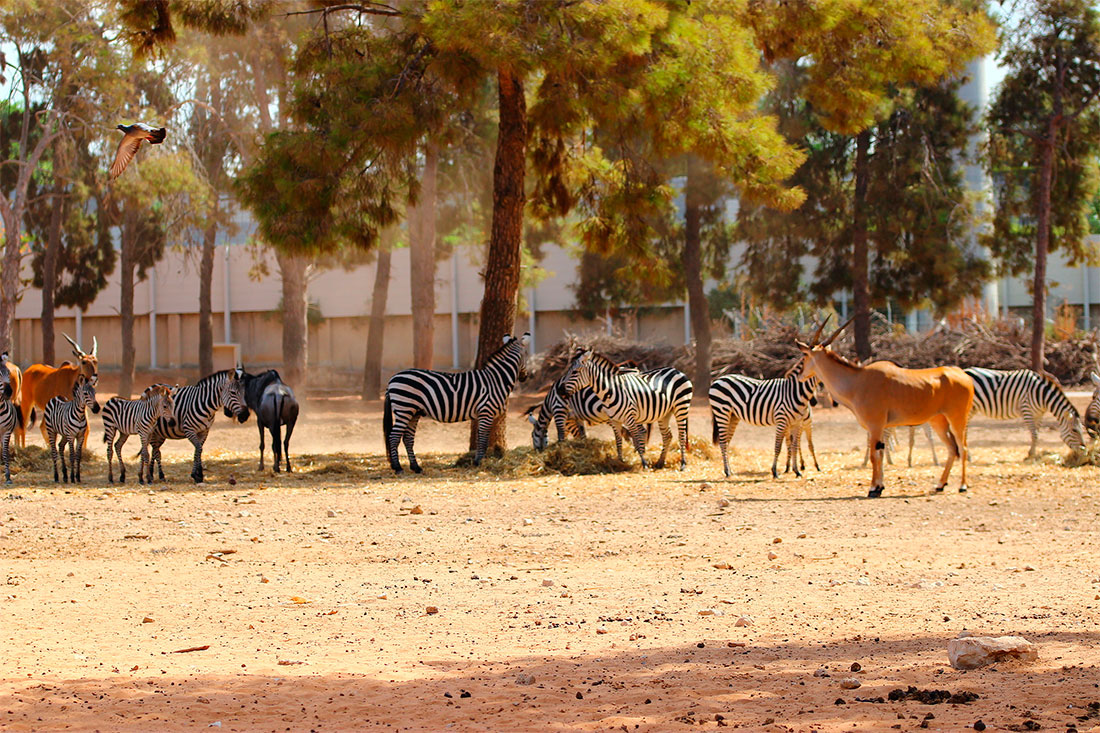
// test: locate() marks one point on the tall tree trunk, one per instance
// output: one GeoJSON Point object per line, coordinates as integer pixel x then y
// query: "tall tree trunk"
{"type": "Point", "coordinates": [1042, 245]}
{"type": "Point", "coordinates": [861, 295]}
{"type": "Point", "coordinates": [127, 265]}
{"type": "Point", "coordinates": [422, 262]}
{"type": "Point", "coordinates": [9, 275]}
{"type": "Point", "coordinates": [295, 324]}
{"type": "Point", "coordinates": [49, 276]}
{"type": "Point", "coordinates": [372, 369]}
{"type": "Point", "coordinates": [693, 274]}
{"type": "Point", "coordinates": [206, 314]}
{"type": "Point", "coordinates": [498, 303]}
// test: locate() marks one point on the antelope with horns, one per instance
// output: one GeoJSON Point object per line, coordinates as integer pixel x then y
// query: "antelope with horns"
{"type": "Point", "coordinates": [42, 382]}
{"type": "Point", "coordinates": [882, 395]}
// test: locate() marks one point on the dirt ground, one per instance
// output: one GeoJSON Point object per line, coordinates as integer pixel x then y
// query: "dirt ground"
{"type": "Point", "coordinates": [341, 598]}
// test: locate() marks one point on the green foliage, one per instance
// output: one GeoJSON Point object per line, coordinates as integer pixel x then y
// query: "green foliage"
{"type": "Point", "coordinates": [1060, 39]}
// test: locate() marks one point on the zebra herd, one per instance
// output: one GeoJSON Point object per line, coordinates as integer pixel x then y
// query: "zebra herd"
{"type": "Point", "coordinates": [161, 413]}
{"type": "Point", "coordinates": [594, 390]}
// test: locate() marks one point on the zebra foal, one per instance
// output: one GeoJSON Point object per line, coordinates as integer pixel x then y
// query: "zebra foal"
{"type": "Point", "coordinates": [634, 399]}
{"type": "Point", "coordinates": [477, 394]}
{"type": "Point", "coordinates": [11, 418]}
{"type": "Point", "coordinates": [784, 403]}
{"type": "Point", "coordinates": [68, 420]}
{"type": "Point", "coordinates": [136, 417]}
{"type": "Point", "coordinates": [1026, 394]}
{"type": "Point", "coordinates": [195, 407]}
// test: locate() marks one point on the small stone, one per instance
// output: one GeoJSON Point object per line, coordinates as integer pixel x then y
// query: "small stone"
{"type": "Point", "coordinates": [856, 666]}
{"type": "Point", "coordinates": [528, 522]}
{"type": "Point", "coordinates": [820, 672]}
{"type": "Point", "coordinates": [601, 630]}
{"type": "Point", "coordinates": [850, 683]}
{"type": "Point", "coordinates": [547, 583]}
{"type": "Point", "coordinates": [416, 510]}
{"type": "Point", "coordinates": [979, 725]}
{"type": "Point", "coordinates": [580, 696]}
{"type": "Point", "coordinates": [723, 503]}
{"type": "Point", "coordinates": [722, 566]}
{"type": "Point", "coordinates": [147, 620]}
{"type": "Point", "coordinates": [431, 610]}
{"type": "Point", "coordinates": [772, 556]}
{"type": "Point", "coordinates": [802, 536]}
{"type": "Point", "coordinates": [525, 679]}
{"type": "Point", "coordinates": [839, 701]}
{"type": "Point", "coordinates": [700, 645]}
{"type": "Point", "coordinates": [706, 612]}
{"type": "Point", "coordinates": [244, 513]}
{"type": "Point", "coordinates": [330, 513]}
{"type": "Point", "coordinates": [863, 580]}
{"type": "Point", "coordinates": [263, 579]}
{"type": "Point", "coordinates": [777, 540]}
{"type": "Point", "coordinates": [744, 621]}
{"type": "Point", "coordinates": [977, 651]}
{"type": "Point", "coordinates": [464, 693]}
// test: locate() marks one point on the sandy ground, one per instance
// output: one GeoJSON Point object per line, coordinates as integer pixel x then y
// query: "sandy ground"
{"type": "Point", "coordinates": [563, 603]}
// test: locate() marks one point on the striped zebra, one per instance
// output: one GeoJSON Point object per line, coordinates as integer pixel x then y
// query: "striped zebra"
{"type": "Point", "coordinates": [1004, 395]}
{"type": "Point", "coordinates": [784, 403]}
{"type": "Point", "coordinates": [136, 417]}
{"type": "Point", "coordinates": [1092, 412]}
{"type": "Point", "coordinates": [478, 394]}
{"type": "Point", "coordinates": [195, 408]}
{"type": "Point", "coordinates": [11, 418]}
{"type": "Point", "coordinates": [68, 420]}
{"type": "Point", "coordinates": [634, 399]}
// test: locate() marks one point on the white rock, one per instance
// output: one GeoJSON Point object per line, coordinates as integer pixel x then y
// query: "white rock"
{"type": "Point", "coordinates": [850, 683]}
{"type": "Point", "coordinates": [972, 652]}
{"type": "Point", "coordinates": [528, 522]}
{"type": "Point", "coordinates": [744, 621]}
{"type": "Point", "coordinates": [820, 672]}
{"type": "Point", "coordinates": [864, 580]}
{"type": "Point", "coordinates": [330, 513]}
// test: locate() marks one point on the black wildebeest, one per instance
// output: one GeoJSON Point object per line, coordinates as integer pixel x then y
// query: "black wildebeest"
{"type": "Point", "coordinates": [275, 406]}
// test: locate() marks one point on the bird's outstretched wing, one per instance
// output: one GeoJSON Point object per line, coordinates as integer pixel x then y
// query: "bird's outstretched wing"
{"type": "Point", "coordinates": [127, 149]}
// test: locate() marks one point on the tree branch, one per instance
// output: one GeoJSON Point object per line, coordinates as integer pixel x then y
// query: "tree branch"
{"type": "Point", "coordinates": [370, 8]}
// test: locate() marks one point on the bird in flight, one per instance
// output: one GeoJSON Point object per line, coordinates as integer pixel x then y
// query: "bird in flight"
{"type": "Point", "coordinates": [135, 134]}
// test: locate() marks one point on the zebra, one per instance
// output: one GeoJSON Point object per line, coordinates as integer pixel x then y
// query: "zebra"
{"type": "Point", "coordinates": [634, 399]}
{"type": "Point", "coordinates": [478, 394]}
{"type": "Point", "coordinates": [570, 415]}
{"type": "Point", "coordinates": [195, 407]}
{"type": "Point", "coordinates": [68, 419]}
{"type": "Point", "coordinates": [1092, 412]}
{"type": "Point", "coordinates": [136, 417]}
{"type": "Point", "coordinates": [11, 417]}
{"type": "Point", "coordinates": [784, 403]}
{"type": "Point", "coordinates": [1024, 393]}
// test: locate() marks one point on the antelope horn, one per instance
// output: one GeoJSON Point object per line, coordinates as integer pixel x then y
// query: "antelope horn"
{"type": "Point", "coordinates": [837, 332]}
{"type": "Point", "coordinates": [820, 328]}
{"type": "Point", "coordinates": [95, 348]}
{"type": "Point", "coordinates": [76, 347]}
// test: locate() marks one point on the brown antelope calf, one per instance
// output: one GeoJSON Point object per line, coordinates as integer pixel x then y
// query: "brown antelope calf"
{"type": "Point", "coordinates": [882, 395]}
{"type": "Point", "coordinates": [42, 382]}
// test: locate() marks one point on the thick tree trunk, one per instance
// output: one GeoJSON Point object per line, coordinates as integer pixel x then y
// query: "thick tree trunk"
{"type": "Point", "coordinates": [295, 323]}
{"type": "Point", "coordinates": [206, 314]}
{"type": "Point", "coordinates": [9, 276]}
{"type": "Point", "coordinates": [1042, 246]}
{"type": "Point", "coordinates": [693, 274]}
{"type": "Point", "coordinates": [498, 303]}
{"type": "Point", "coordinates": [126, 311]}
{"type": "Point", "coordinates": [372, 369]}
{"type": "Point", "coordinates": [861, 295]}
{"type": "Point", "coordinates": [422, 262]}
{"type": "Point", "coordinates": [49, 277]}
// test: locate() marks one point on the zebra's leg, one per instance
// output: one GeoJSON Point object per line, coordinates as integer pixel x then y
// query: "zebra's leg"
{"type": "Point", "coordinates": [1032, 425]}
{"type": "Point", "coordinates": [808, 426]}
{"type": "Point", "coordinates": [122, 438]}
{"type": "Point", "coordinates": [65, 473]}
{"type": "Point", "coordinates": [617, 429]}
{"type": "Point", "coordinates": [931, 443]}
{"type": "Point", "coordinates": [393, 440]}
{"type": "Point", "coordinates": [637, 436]}
{"type": "Point", "coordinates": [52, 442]}
{"type": "Point", "coordinates": [725, 435]}
{"type": "Point", "coordinates": [7, 458]}
{"type": "Point", "coordinates": [78, 444]}
{"type": "Point", "coordinates": [260, 425]}
{"type": "Point", "coordinates": [197, 440]}
{"type": "Point", "coordinates": [108, 436]}
{"type": "Point", "coordinates": [146, 464]}
{"type": "Point", "coordinates": [409, 437]}
{"type": "Point", "coordinates": [155, 456]}
{"type": "Point", "coordinates": [682, 435]}
{"type": "Point", "coordinates": [666, 441]}
{"type": "Point", "coordinates": [781, 433]}
{"type": "Point", "coordinates": [560, 425]}
{"type": "Point", "coordinates": [484, 426]}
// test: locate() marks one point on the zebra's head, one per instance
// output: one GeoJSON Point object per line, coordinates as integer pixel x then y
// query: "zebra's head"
{"type": "Point", "coordinates": [1092, 412]}
{"type": "Point", "coordinates": [578, 375]}
{"type": "Point", "coordinates": [521, 370]}
{"type": "Point", "coordinates": [164, 399]}
{"type": "Point", "coordinates": [84, 394]}
{"type": "Point", "coordinates": [233, 404]}
{"type": "Point", "coordinates": [539, 427]}
{"type": "Point", "coordinates": [6, 391]}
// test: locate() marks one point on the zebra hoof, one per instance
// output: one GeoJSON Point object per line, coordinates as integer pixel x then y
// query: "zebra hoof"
{"type": "Point", "coordinates": [197, 478]}
{"type": "Point", "coordinates": [875, 492]}
{"type": "Point", "coordinates": [418, 469]}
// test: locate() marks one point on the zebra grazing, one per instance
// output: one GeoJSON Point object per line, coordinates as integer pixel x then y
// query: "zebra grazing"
{"type": "Point", "coordinates": [1004, 395]}
{"type": "Point", "coordinates": [478, 394]}
{"type": "Point", "coordinates": [195, 407]}
{"type": "Point", "coordinates": [1092, 412]}
{"type": "Point", "coordinates": [136, 417]}
{"type": "Point", "coordinates": [11, 417]}
{"type": "Point", "coordinates": [634, 399]}
{"type": "Point", "coordinates": [784, 403]}
{"type": "Point", "coordinates": [570, 414]}
{"type": "Point", "coordinates": [68, 419]}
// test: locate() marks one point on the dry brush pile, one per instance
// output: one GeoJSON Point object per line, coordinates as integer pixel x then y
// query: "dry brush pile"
{"type": "Point", "coordinates": [771, 351]}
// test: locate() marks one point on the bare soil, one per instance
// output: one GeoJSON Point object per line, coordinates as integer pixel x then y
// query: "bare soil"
{"type": "Point", "coordinates": [343, 598]}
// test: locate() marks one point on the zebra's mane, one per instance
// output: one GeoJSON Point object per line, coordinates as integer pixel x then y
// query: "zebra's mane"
{"type": "Point", "coordinates": [211, 378]}
{"type": "Point", "coordinates": [611, 365]}
{"type": "Point", "coordinates": [501, 350]}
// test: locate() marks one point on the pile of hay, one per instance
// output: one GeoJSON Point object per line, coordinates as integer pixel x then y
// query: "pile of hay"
{"type": "Point", "coordinates": [1089, 457]}
{"type": "Point", "coordinates": [581, 457]}
{"type": "Point", "coordinates": [36, 459]}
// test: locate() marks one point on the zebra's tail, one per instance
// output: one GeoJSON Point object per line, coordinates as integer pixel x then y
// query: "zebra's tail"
{"type": "Point", "coordinates": [713, 428]}
{"type": "Point", "coordinates": [387, 420]}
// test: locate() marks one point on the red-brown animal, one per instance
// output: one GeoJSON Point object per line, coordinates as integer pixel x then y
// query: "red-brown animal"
{"type": "Point", "coordinates": [42, 382]}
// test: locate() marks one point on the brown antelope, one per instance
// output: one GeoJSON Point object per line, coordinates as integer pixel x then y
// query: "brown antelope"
{"type": "Point", "coordinates": [42, 382]}
{"type": "Point", "coordinates": [882, 395]}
